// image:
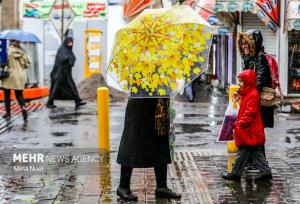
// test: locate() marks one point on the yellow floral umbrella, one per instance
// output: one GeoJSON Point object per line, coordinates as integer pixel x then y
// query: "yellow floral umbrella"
{"type": "Point", "coordinates": [160, 52]}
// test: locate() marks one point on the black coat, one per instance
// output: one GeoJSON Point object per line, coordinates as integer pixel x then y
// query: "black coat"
{"type": "Point", "coordinates": [139, 146]}
{"type": "Point", "coordinates": [260, 64]}
{"type": "Point", "coordinates": [62, 84]}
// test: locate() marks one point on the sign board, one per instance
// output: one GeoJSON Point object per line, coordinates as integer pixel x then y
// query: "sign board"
{"type": "Point", "coordinates": [82, 9]}
{"type": "Point", "coordinates": [3, 51]}
{"type": "Point", "coordinates": [93, 55]}
{"type": "Point", "coordinates": [61, 16]}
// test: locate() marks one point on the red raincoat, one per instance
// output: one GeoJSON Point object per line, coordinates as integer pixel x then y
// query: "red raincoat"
{"type": "Point", "coordinates": [249, 130]}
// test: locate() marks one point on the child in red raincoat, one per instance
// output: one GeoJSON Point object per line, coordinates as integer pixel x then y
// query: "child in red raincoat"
{"type": "Point", "coordinates": [249, 131]}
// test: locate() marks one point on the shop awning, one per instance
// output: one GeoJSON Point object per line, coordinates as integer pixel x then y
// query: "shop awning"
{"type": "Point", "coordinates": [293, 15]}
{"type": "Point", "coordinates": [205, 8]}
{"type": "Point", "coordinates": [266, 10]}
{"type": "Point", "coordinates": [133, 7]}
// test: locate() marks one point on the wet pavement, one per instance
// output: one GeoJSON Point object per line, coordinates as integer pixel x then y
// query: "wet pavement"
{"type": "Point", "coordinates": [196, 171]}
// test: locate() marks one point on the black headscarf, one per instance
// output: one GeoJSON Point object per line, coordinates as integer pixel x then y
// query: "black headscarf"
{"type": "Point", "coordinates": [65, 53]}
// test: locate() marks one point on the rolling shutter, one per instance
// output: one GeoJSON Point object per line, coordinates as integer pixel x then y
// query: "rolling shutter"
{"type": "Point", "coordinates": [251, 21]}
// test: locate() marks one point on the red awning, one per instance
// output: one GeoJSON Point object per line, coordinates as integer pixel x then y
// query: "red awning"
{"type": "Point", "coordinates": [271, 8]}
{"type": "Point", "coordinates": [132, 7]}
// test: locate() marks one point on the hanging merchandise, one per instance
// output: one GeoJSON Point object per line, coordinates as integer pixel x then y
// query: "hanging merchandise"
{"type": "Point", "coordinates": [294, 62]}
{"type": "Point", "coordinates": [292, 15]}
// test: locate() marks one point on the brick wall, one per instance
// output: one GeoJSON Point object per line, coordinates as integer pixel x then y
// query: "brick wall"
{"type": "Point", "coordinates": [9, 15]}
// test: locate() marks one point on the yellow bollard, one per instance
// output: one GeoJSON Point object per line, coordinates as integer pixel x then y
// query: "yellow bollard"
{"type": "Point", "coordinates": [103, 120]}
{"type": "Point", "coordinates": [230, 162]}
{"type": "Point", "coordinates": [231, 148]}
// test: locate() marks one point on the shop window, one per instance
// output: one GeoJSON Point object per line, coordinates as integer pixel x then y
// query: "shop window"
{"type": "Point", "coordinates": [294, 62]}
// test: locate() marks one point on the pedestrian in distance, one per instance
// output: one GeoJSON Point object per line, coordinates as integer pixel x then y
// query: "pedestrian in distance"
{"type": "Point", "coordinates": [63, 86]}
{"type": "Point", "coordinates": [145, 144]}
{"type": "Point", "coordinates": [17, 62]}
{"type": "Point", "coordinates": [249, 131]}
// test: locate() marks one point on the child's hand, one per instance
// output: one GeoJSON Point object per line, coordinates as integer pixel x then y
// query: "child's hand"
{"type": "Point", "coordinates": [236, 96]}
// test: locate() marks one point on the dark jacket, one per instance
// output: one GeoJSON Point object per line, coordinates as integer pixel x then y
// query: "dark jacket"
{"type": "Point", "coordinates": [258, 62]}
{"type": "Point", "coordinates": [139, 146]}
{"type": "Point", "coordinates": [249, 130]}
{"type": "Point", "coordinates": [62, 83]}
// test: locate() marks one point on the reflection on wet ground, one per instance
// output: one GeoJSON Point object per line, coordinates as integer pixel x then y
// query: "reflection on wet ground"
{"type": "Point", "coordinates": [196, 171]}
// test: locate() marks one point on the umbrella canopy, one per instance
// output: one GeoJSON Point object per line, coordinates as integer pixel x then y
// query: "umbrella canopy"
{"type": "Point", "coordinates": [160, 52]}
{"type": "Point", "coordinates": [19, 35]}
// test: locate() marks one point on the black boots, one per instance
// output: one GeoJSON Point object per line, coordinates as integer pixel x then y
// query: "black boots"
{"type": "Point", "coordinates": [126, 194]}
{"type": "Point", "coordinates": [6, 115]}
{"type": "Point", "coordinates": [231, 177]}
{"type": "Point", "coordinates": [51, 106]}
{"type": "Point", "coordinates": [166, 193]}
{"type": "Point", "coordinates": [24, 113]}
{"type": "Point", "coordinates": [80, 103]}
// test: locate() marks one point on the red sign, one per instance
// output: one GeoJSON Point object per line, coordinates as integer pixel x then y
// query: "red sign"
{"type": "Point", "coordinates": [32, 5]}
{"type": "Point", "coordinates": [89, 14]}
{"type": "Point", "coordinates": [60, 7]}
{"type": "Point", "coordinates": [96, 7]}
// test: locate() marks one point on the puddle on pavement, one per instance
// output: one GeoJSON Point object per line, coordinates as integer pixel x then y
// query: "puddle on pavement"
{"type": "Point", "coordinates": [192, 145]}
{"type": "Point", "coordinates": [288, 139]}
{"type": "Point", "coordinates": [293, 131]}
{"type": "Point", "coordinates": [73, 122]}
{"type": "Point", "coordinates": [59, 134]}
{"type": "Point", "coordinates": [297, 138]}
{"type": "Point", "coordinates": [70, 115]}
{"type": "Point", "coordinates": [192, 115]}
{"type": "Point", "coordinates": [63, 144]}
{"type": "Point", "coordinates": [192, 128]}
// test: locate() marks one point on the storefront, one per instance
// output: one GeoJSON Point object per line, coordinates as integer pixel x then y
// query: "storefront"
{"type": "Point", "coordinates": [246, 15]}
{"type": "Point", "coordinates": [222, 65]}
{"type": "Point", "coordinates": [293, 29]}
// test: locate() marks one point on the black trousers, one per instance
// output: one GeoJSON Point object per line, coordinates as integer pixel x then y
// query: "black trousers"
{"type": "Point", "coordinates": [19, 96]}
{"type": "Point", "coordinates": [160, 175]}
{"type": "Point", "coordinates": [257, 156]}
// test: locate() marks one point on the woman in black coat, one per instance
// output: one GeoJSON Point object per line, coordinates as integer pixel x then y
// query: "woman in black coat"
{"type": "Point", "coordinates": [251, 47]}
{"type": "Point", "coordinates": [141, 147]}
{"type": "Point", "coordinates": [63, 86]}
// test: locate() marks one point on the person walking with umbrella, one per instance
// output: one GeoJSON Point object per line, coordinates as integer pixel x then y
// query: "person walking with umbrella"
{"type": "Point", "coordinates": [155, 54]}
{"type": "Point", "coordinates": [18, 61]}
{"type": "Point", "coordinates": [62, 83]}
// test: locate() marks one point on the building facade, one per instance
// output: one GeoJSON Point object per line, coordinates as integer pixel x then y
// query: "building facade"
{"type": "Point", "coordinates": [9, 14]}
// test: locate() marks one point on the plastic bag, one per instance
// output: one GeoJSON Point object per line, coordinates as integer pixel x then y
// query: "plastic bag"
{"type": "Point", "coordinates": [226, 133]}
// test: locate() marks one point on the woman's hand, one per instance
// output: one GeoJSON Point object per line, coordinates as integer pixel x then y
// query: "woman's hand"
{"type": "Point", "coordinates": [236, 96]}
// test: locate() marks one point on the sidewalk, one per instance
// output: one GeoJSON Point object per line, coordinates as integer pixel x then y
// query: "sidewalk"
{"type": "Point", "coordinates": [196, 172]}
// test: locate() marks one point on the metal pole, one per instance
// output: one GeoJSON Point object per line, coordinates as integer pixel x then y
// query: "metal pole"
{"type": "Point", "coordinates": [62, 19]}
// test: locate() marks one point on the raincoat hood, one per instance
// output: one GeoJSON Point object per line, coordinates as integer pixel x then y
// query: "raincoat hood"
{"type": "Point", "coordinates": [254, 39]}
{"type": "Point", "coordinates": [249, 78]}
